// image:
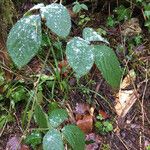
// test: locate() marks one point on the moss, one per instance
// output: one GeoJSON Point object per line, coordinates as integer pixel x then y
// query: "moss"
{"type": "Point", "coordinates": [7, 14]}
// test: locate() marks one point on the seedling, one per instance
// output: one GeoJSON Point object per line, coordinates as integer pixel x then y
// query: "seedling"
{"type": "Point", "coordinates": [102, 126]}
{"type": "Point", "coordinates": [56, 134]}
{"type": "Point", "coordinates": [79, 7]}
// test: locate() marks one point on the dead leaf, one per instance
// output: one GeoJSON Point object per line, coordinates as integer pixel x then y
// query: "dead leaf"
{"type": "Point", "coordinates": [64, 68]}
{"type": "Point", "coordinates": [126, 100]}
{"type": "Point", "coordinates": [86, 124]}
{"type": "Point", "coordinates": [95, 141]}
{"type": "Point", "coordinates": [131, 76]}
{"type": "Point", "coordinates": [104, 114]}
{"type": "Point", "coordinates": [25, 147]}
{"type": "Point", "coordinates": [13, 144]}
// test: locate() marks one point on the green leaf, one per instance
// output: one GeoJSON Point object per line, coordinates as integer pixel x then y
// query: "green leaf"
{"type": "Point", "coordinates": [111, 21]}
{"type": "Point", "coordinates": [108, 64]}
{"type": "Point", "coordinates": [83, 6]}
{"type": "Point", "coordinates": [57, 117]}
{"type": "Point", "coordinates": [53, 140]}
{"type": "Point", "coordinates": [19, 94]}
{"type": "Point", "coordinates": [123, 13]}
{"type": "Point", "coordinates": [35, 138]}
{"type": "Point", "coordinates": [90, 35]}
{"type": "Point", "coordinates": [108, 126]}
{"type": "Point", "coordinates": [74, 136]}
{"type": "Point", "coordinates": [76, 8]}
{"type": "Point", "coordinates": [80, 56]}
{"type": "Point", "coordinates": [24, 40]}
{"type": "Point", "coordinates": [2, 80]}
{"type": "Point", "coordinates": [40, 117]}
{"type": "Point", "coordinates": [57, 19]}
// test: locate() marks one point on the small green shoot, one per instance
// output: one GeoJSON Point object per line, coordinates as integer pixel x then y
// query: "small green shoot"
{"type": "Point", "coordinates": [102, 126]}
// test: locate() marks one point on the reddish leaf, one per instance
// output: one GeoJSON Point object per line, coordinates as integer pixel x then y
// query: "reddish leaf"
{"type": "Point", "coordinates": [104, 114]}
{"type": "Point", "coordinates": [13, 144]}
{"type": "Point", "coordinates": [25, 147]}
{"type": "Point", "coordinates": [95, 141]}
{"type": "Point", "coordinates": [63, 67]}
{"type": "Point", "coordinates": [86, 124]}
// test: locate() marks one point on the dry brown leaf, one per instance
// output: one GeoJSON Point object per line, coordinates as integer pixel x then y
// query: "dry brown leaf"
{"type": "Point", "coordinates": [64, 68]}
{"type": "Point", "coordinates": [128, 79]}
{"type": "Point", "coordinates": [86, 124]}
{"type": "Point", "coordinates": [25, 147]}
{"type": "Point", "coordinates": [126, 100]}
{"type": "Point", "coordinates": [103, 113]}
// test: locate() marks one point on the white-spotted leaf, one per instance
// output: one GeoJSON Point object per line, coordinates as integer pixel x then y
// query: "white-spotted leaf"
{"type": "Point", "coordinates": [108, 64]}
{"type": "Point", "coordinates": [57, 19]}
{"type": "Point", "coordinates": [57, 117]}
{"type": "Point", "coordinates": [90, 35]}
{"type": "Point", "coordinates": [24, 40]}
{"type": "Point", "coordinates": [74, 136]}
{"type": "Point", "coordinates": [80, 56]}
{"type": "Point", "coordinates": [53, 140]}
{"type": "Point", "coordinates": [40, 117]}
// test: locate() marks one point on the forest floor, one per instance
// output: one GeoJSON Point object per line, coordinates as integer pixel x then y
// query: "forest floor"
{"type": "Point", "coordinates": [92, 96]}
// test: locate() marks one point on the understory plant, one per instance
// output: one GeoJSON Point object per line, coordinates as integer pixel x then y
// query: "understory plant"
{"type": "Point", "coordinates": [56, 134]}
{"type": "Point", "coordinates": [25, 40]}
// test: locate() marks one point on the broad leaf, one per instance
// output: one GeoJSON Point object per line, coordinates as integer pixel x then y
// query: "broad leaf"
{"type": "Point", "coordinates": [108, 64]}
{"type": "Point", "coordinates": [24, 40]}
{"type": "Point", "coordinates": [80, 56]}
{"type": "Point", "coordinates": [57, 19]}
{"type": "Point", "coordinates": [53, 140]}
{"type": "Point", "coordinates": [35, 138]}
{"type": "Point", "coordinates": [40, 117]}
{"type": "Point", "coordinates": [74, 136]}
{"type": "Point", "coordinates": [57, 117]}
{"type": "Point", "coordinates": [90, 35]}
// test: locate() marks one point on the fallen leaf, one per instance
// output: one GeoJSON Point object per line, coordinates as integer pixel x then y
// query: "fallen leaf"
{"type": "Point", "coordinates": [94, 140]}
{"type": "Point", "coordinates": [25, 147]}
{"type": "Point", "coordinates": [86, 124]}
{"type": "Point", "coordinates": [13, 144]}
{"type": "Point", "coordinates": [104, 114]}
{"type": "Point", "coordinates": [131, 76]}
{"type": "Point", "coordinates": [63, 67]}
{"type": "Point", "coordinates": [126, 100]}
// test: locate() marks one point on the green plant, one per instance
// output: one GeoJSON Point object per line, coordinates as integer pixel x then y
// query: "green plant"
{"type": "Point", "coordinates": [56, 134]}
{"type": "Point", "coordinates": [145, 6]}
{"type": "Point", "coordinates": [103, 126]}
{"type": "Point", "coordinates": [25, 37]}
{"type": "Point", "coordinates": [106, 147]}
{"type": "Point", "coordinates": [148, 147]}
{"type": "Point", "coordinates": [121, 13]}
{"type": "Point", "coordinates": [81, 55]}
{"type": "Point", "coordinates": [79, 7]}
{"type": "Point", "coordinates": [83, 20]}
